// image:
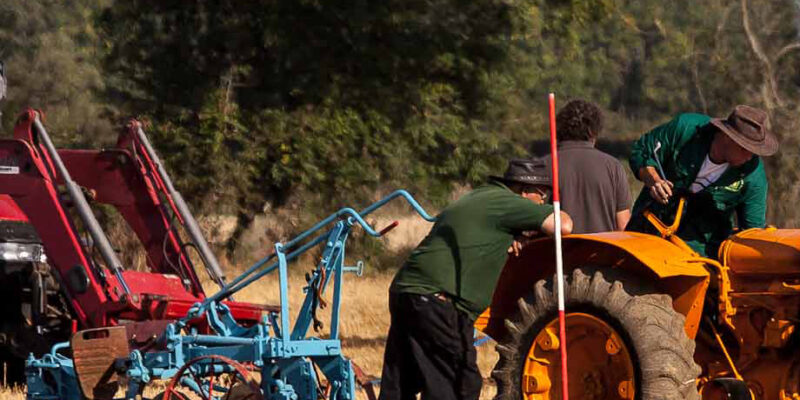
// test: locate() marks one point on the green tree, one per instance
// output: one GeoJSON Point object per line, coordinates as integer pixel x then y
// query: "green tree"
{"type": "Point", "coordinates": [49, 48]}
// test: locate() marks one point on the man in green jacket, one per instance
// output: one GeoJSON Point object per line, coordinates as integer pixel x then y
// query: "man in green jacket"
{"type": "Point", "coordinates": [716, 163]}
{"type": "Point", "coordinates": [449, 279]}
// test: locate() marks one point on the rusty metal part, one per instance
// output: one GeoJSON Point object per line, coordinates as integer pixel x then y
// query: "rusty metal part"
{"type": "Point", "coordinates": [94, 352]}
{"type": "Point", "coordinates": [601, 366]}
{"type": "Point", "coordinates": [244, 384]}
{"type": "Point", "coordinates": [144, 335]}
{"type": "Point", "coordinates": [777, 333]}
{"type": "Point", "coordinates": [364, 381]}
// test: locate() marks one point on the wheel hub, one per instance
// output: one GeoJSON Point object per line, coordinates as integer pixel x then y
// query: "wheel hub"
{"type": "Point", "coordinates": [600, 365]}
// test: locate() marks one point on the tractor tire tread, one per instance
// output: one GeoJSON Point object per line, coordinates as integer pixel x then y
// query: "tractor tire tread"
{"type": "Point", "coordinates": [668, 370]}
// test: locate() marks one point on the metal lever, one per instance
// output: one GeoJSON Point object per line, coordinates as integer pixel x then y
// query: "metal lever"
{"type": "Point", "coordinates": [388, 228]}
{"type": "Point", "coordinates": [658, 162]}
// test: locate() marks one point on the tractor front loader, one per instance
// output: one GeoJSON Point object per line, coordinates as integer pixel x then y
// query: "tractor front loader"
{"type": "Point", "coordinates": [60, 272]}
{"type": "Point", "coordinates": [648, 318]}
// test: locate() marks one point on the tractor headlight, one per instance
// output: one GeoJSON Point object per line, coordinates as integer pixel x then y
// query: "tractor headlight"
{"type": "Point", "coordinates": [22, 252]}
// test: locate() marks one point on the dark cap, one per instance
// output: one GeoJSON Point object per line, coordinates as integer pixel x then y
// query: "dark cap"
{"type": "Point", "coordinates": [745, 126]}
{"type": "Point", "coordinates": [527, 171]}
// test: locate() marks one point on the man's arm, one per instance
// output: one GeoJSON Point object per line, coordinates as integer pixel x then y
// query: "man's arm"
{"type": "Point", "coordinates": [643, 155]}
{"type": "Point", "coordinates": [672, 135]}
{"type": "Point", "coordinates": [622, 196]}
{"type": "Point", "coordinates": [520, 214]}
{"type": "Point", "coordinates": [642, 151]}
{"type": "Point", "coordinates": [547, 227]}
{"type": "Point", "coordinates": [549, 224]}
{"type": "Point", "coordinates": [622, 218]}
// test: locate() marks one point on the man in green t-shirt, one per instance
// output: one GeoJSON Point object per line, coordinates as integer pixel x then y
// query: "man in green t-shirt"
{"type": "Point", "coordinates": [715, 163]}
{"type": "Point", "coordinates": [449, 279]}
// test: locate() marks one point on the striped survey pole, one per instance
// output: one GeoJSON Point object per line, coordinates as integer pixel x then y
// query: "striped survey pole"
{"type": "Point", "coordinates": [562, 331]}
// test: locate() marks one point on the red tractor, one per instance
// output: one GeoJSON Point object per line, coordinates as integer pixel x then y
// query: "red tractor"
{"type": "Point", "coordinates": [23, 272]}
{"type": "Point", "coordinates": [59, 271]}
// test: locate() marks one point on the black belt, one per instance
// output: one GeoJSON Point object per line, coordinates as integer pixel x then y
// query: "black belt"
{"type": "Point", "coordinates": [443, 297]}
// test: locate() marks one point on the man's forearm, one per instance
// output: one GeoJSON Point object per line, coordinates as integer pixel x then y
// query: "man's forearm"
{"type": "Point", "coordinates": [648, 175]}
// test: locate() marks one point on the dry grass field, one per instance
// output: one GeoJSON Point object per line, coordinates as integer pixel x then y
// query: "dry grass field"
{"type": "Point", "coordinates": [365, 322]}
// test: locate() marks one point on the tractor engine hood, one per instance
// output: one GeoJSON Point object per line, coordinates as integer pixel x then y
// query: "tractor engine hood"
{"type": "Point", "coordinates": [758, 251]}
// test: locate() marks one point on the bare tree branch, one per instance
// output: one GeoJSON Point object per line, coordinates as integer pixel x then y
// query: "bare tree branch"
{"type": "Point", "coordinates": [787, 49]}
{"type": "Point", "coordinates": [721, 25]}
{"type": "Point", "coordinates": [769, 77]}
{"type": "Point", "coordinates": [696, 80]}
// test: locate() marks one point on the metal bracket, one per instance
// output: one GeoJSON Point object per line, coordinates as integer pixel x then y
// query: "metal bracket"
{"type": "Point", "coordinates": [357, 269]}
{"type": "Point", "coordinates": [220, 319]}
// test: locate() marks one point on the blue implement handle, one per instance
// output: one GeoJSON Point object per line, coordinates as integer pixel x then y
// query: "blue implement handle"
{"type": "Point", "coordinates": [353, 217]}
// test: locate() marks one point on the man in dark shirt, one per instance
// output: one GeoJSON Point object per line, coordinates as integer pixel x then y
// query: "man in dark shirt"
{"type": "Point", "coordinates": [594, 185]}
{"type": "Point", "coordinates": [449, 279]}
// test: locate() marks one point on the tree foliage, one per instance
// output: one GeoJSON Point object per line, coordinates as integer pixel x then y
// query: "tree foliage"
{"type": "Point", "coordinates": [324, 103]}
{"type": "Point", "coordinates": [49, 48]}
{"type": "Point", "coordinates": [331, 98]}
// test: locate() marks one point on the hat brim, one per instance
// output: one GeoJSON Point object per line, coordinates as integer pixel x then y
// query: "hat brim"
{"type": "Point", "coordinates": [766, 148]}
{"type": "Point", "coordinates": [524, 182]}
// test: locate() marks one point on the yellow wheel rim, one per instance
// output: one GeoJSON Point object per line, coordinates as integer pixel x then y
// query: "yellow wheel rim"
{"type": "Point", "coordinates": [600, 365]}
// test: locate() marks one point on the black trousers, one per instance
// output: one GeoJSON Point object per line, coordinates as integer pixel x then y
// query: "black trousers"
{"type": "Point", "coordinates": [429, 350]}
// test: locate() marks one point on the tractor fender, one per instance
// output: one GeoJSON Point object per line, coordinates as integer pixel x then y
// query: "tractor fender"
{"type": "Point", "coordinates": [673, 270]}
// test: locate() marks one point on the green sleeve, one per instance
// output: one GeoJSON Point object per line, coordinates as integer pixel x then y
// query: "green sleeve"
{"type": "Point", "coordinates": [752, 211]}
{"type": "Point", "coordinates": [672, 135]}
{"type": "Point", "coordinates": [521, 214]}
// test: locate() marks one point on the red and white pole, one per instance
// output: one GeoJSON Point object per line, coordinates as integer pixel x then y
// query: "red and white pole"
{"type": "Point", "coordinates": [562, 331]}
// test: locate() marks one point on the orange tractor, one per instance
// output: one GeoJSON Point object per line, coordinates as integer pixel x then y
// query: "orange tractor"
{"type": "Point", "coordinates": [648, 318]}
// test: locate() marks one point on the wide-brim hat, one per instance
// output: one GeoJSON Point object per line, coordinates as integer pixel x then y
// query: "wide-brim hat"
{"type": "Point", "coordinates": [528, 171]}
{"type": "Point", "coordinates": [746, 127]}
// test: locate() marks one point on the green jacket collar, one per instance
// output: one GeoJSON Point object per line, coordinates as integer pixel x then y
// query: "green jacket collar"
{"type": "Point", "coordinates": [691, 156]}
{"type": "Point", "coordinates": [495, 182]}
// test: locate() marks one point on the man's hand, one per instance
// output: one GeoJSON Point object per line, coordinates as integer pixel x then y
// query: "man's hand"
{"type": "Point", "coordinates": [515, 248]}
{"type": "Point", "coordinates": [522, 240]}
{"type": "Point", "coordinates": [660, 189]}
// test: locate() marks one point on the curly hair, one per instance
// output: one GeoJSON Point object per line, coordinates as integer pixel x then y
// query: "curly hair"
{"type": "Point", "coordinates": [579, 120]}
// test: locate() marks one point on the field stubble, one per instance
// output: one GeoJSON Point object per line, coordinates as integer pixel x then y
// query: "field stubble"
{"type": "Point", "coordinates": [364, 320]}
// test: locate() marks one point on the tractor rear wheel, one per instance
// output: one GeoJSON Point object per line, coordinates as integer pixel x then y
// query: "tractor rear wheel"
{"type": "Point", "coordinates": [624, 342]}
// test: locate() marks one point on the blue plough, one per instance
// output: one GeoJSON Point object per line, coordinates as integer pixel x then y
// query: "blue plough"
{"type": "Point", "coordinates": [272, 360]}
